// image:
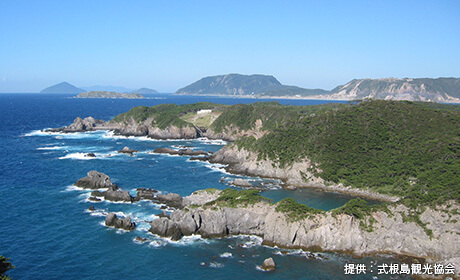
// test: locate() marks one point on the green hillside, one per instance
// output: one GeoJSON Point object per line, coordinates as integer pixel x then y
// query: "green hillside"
{"type": "Point", "coordinates": [399, 148]}
{"type": "Point", "coordinates": [407, 149]}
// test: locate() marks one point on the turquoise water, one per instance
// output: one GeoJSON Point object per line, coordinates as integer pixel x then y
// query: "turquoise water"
{"type": "Point", "coordinates": [48, 233]}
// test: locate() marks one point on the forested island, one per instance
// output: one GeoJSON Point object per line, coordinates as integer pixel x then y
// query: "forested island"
{"type": "Point", "coordinates": [401, 152]}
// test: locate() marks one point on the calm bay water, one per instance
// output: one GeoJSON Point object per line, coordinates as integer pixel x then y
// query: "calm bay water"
{"type": "Point", "coordinates": [48, 233]}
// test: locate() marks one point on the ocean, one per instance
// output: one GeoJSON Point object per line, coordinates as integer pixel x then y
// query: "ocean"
{"type": "Point", "coordinates": [48, 233]}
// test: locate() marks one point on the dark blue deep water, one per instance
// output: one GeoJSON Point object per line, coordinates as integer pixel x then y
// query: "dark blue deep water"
{"type": "Point", "coordinates": [47, 232]}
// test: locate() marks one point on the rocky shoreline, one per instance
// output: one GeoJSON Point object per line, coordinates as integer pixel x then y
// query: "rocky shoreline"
{"type": "Point", "coordinates": [390, 232]}
{"type": "Point", "coordinates": [213, 214]}
{"type": "Point", "coordinates": [239, 161]}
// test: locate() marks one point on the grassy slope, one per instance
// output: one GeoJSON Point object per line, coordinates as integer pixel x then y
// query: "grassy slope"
{"type": "Point", "coordinates": [164, 115]}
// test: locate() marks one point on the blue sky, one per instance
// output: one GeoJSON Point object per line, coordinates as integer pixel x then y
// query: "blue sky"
{"type": "Point", "coordinates": [166, 45]}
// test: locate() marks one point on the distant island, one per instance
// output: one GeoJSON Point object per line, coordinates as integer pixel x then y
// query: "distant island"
{"type": "Point", "coordinates": [144, 91]}
{"type": "Point", "coordinates": [443, 90]}
{"type": "Point", "coordinates": [264, 86]}
{"type": "Point", "coordinates": [66, 88]}
{"type": "Point", "coordinates": [63, 87]}
{"type": "Point", "coordinates": [245, 85]}
{"type": "Point", "coordinates": [106, 94]}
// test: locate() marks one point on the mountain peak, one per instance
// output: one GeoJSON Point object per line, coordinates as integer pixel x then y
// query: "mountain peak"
{"type": "Point", "coordinates": [63, 87]}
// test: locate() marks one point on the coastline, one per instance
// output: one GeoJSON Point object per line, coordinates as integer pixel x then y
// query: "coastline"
{"type": "Point", "coordinates": [247, 163]}
{"type": "Point", "coordinates": [243, 161]}
{"type": "Point", "coordinates": [379, 233]}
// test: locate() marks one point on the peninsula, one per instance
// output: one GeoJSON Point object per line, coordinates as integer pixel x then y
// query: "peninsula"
{"type": "Point", "coordinates": [405, 153]}
{"type": "Point", "coordinates": [106, 94]}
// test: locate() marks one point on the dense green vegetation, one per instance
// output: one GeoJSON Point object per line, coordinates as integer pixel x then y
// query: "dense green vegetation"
{"type": "Point", "coordinates": [398, 148]}
{"type": "Point", "coordinates": [5, 265]}
{"type": "Point", "coordinates": [234, 198]}
{"type": "Point", "coordinates": [356, 207]}
{"type": "Point", "coordinates": [294, 210]}
{"type": "Point", "coordinates": [164, 115]}
{"type": "Point", "coordinates": [272, 115]}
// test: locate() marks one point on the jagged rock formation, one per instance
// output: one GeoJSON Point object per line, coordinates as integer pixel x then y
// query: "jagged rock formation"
{"type": "Point", "coordinates": [390, 231]}
{"type": "Point", "coordinates": [171, 199]}
{"type": "Point", "coordinates": [241, 183]}
{"type": "Point", "coordinates": [79, 125]}
{"type": "Point", "coordinates": [112, 220]}
{"type": "Point", "coordinates": [130, 128]}
{"type": "Point", "coordinates": [96, 180]}
{"type": "Point", "coordinates": [133, 128]}
{"type": "Point", "coordinates": [112, 195]}
{"type": "Point", "coordinates": [143, 193]}
{"type": "Point", "coordinates": [118, 195]}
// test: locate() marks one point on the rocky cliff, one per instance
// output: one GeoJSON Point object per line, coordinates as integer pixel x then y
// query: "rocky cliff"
{"type": "Point", "coordinates": [435, 90]}
{"type": "Point", "coordinates": [380, 232]}
{"type": "Point", "coordinates": [129, 128]}
{"type": "Point", "coordinates": [297, 174]}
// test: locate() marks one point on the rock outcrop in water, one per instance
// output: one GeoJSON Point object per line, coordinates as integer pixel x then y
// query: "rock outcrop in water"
{"type": "Point", "coordinates": [118, 195]}
{"type": "Point", "coordinates": [127, 150]}
{"type": "Point", "coordinates": [269, 264]}
{"type": "Point", "coordinates": [171, 199]}
{"type": "Point", "coordinates": [96, 180]}
{"type": "Point", "coordinates": [112, 220]}
{"type": "Point", "coordinates": [389, 232]}
{"type": "Point", "coordinates": [146, 193]}
{"type": "Point", "coordinates": [79, 125]}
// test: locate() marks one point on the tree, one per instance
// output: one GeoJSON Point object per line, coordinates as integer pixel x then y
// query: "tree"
{"type": "Point", "coordinates": [5, 265]}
